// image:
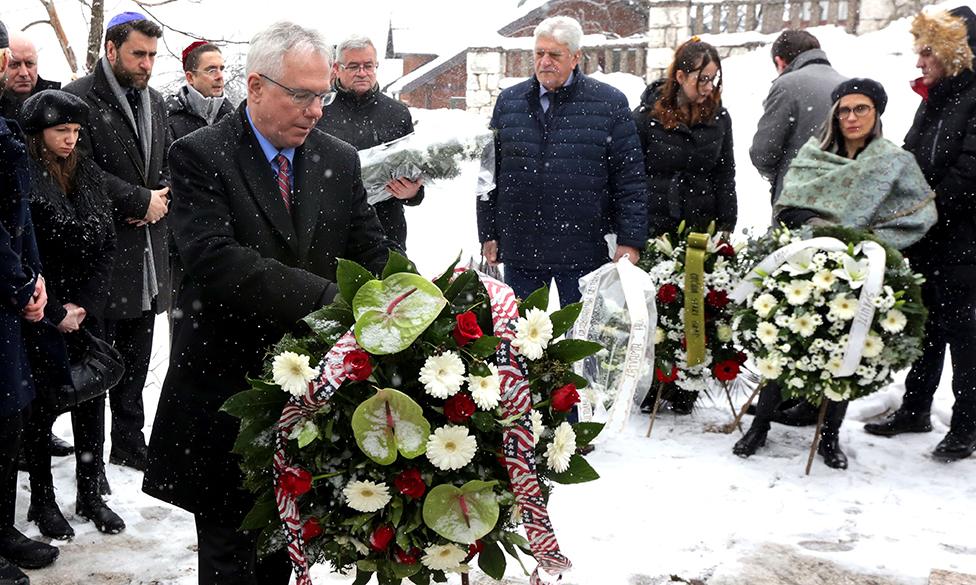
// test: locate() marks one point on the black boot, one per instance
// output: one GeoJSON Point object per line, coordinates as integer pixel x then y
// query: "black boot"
{"type": "Point", "coordinates": [103, 488]}
{"type": "Point", "coordinates": [93, 508]}
{"type": "Point", "coordinates": [11, 575]}
{"type": "Point", "coordinates": [802, 414]}
{"type": "Point", "coordinates": [60, 447]}
{"type": "Point", "coordinates": [955, 446]}
{"type": "Point", "coordinates": [134, 457]}
{"type": "Point", "coordinates": [45, 512]}
{"type": "Point", "coordinates": [829, 447]}
{"type": "Point", "coordinates": [24, 552]}
{"type": "Point", "coordinates": [754, 438]}
{"type": "Point", "coordinates": [901, 421]}
{"type": "Point", "coordinates": [682, 401]}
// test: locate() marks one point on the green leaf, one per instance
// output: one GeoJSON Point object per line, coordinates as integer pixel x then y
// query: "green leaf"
{"type": "Point", "coordinates": [564, 319]}
{"type": "Point", "coordinates": [579, 472]}
{"type": "Point", "coordinates": [397, 263]}
{"type": "Point", "coordinates": [484, 346]}
{"type": "Point", "coordinates": [351, 277]}
{"type": "Point", "coordinates": [586, 432]}
{"type": "Point", "coordinates": [462, 514]}
{"type": "Point", "coordinates": [491, 559]}
{"type": "Point", "coordinates": [483, 421]}
{"type": "Point", "coordinates": [420, 579]}
{"type": "Point", "coordinates": [388, 422]}
{"type": "Point", "coordinates": [262, 514]}
{"type": "Point", "coordinates": [392, 313]}
{"type": "Point", "coordinates": [513, 552]}
{"type": "Point", "coordinates": [463, 281]}
{"type": "Point", "coordinates": [401, 571]}
{"type": "Point", "coordinates": [308, 434]}
{"type": "Point", "coordinates": [444, 279]}
{"type": "Point", "coordinates": [537, 300]}
{"type": "Point", "coordinates": [255, 402]}
{"type": "Point", "coordinates": [251, 429]}
{"type": "Point", "coordinates": [577, 380]}
{"type": "Point", "coordinates": [572, 350]}
{"type": "Point", "coordinates": [396, 511]}
{"type": "Point", "coordinates": [362, 577]}
{"type": "Point", "coordinates": [323, 321]}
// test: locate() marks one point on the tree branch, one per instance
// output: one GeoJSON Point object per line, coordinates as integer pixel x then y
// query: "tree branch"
{"type": "Point", "coordinates": [186, 33]}
{"type": "Point", "coordinates": [36, 22]}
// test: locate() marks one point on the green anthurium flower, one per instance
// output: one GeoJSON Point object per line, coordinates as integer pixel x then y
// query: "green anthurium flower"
{"type": "Point", "coordinates": [393, 312]}
{"type": "Point", "coordinates": [390, 422]}
{"type": "Point", "coordinates": [462, 514]}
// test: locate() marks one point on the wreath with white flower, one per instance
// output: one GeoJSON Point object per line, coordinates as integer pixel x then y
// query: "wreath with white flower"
{"type": "Point", "coordinates": [401, 473]}
{"type": "Point", "coordinates": [799, 325]}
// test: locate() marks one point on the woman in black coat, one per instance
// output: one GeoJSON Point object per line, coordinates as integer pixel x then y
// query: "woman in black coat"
{"type": "Point", "coordinates": [76, 239]}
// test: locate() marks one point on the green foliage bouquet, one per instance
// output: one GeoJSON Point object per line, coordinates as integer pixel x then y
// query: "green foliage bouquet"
{"type": "Point", "coordinates": [418, 442]}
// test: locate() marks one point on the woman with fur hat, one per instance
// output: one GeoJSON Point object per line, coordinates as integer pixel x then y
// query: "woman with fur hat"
{"type": "Point", "coordinates": [75, 236]}
{"type": "Point", "coordinates": [943, 140]}
{"type": "Point", "coordinates": [851, 176]}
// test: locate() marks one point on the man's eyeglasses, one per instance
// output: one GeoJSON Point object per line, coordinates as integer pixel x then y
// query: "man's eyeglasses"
{"type": "Point", "coordinates": [211, 71]}
{"type": "Point", "coordinates": [859, 110]}
{"type": "Point", "coordinates": [303, 98]}
{"type": "Point", "coordinates": [357, 67]}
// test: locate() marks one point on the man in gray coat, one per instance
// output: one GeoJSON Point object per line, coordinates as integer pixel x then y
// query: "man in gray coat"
{"type": "Point", "coordinates": [796, 107]}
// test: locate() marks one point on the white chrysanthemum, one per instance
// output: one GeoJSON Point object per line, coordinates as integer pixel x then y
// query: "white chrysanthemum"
{"type": "Point", "coordinates": [366, 496]}
{"type": "Point", "coordinates": [442, 375]}
{"type": "Point", "coordinates": [872, 346]}
{"type": "Point", "coordinates": [796, 383]}
{"type": "Point", "coordinates": [724, 333]}
{"type": "Point", "coordinates": [533, 333]}
{"type": "Point", "coordinates": [894, 321]}
{"type": "Point", "coordinates": [806, 324]}
{"type": "Point", "coordinates": [537, 427]}
{"type": "Point", "coordinates": [292, 372]}
{"type": "Point", "coordinates": [769, 369]}
{"type": "Point", "coordinates": [561, 449]}
{"type": "Point", "coordinates": [763, 304]}
{"type": "Point", "coordinates": [451, 447]}
{"type": "Point", "coordinates": [844, 307]}
{"type": "Point", "coordinates": [658, 335]}
{"type": "Point", "coordinates": [824, 279]}
{"type": "Point", "coordinates": [835, 396]}
{"type": "Point", "coordinates": [486, 390]}
{"type": "Point", "coordinates": [443, 557]}
{"type": "Point", "coordinates": [798, 292]}
{"type": "Point", "coordinates": [767, 332]}
{"type": "Point", "coordinates": [834, 365]}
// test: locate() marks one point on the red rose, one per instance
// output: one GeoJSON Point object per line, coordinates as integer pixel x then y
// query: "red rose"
{"type": "Point", "coordinates": [741, 358]}
{"type": "Point", "coordinates": [311, 529]}
{"type": "Point", "coordinates": [410, 484]}
{"type": "Point", "coordinates": [725, 249]}
{"type": "Point", "coordinates": [717, 298]}
{"type": "Point", "coordinates": [459, 408]}
{"type": "Point", "coordinates": [666, 378]}
{"type": "Point", "coordinates": [473, 549]}
{"type": "Point", "coordinates": [668, 293]}
{"type": "Point", "coordinates": [563, 399]}
{"type": "Point", "coordinates": [381, 538]}
{"type": "Point", "coordinates": [466, 328]}
{"type": "Point", "coordinates": [407, 558]}
{"type": "Point", "coordinates": [726, 371]}
{"type": "Point", "coordinates": [357, 365]}
{"type": "Point", "coordinates": [295, 481]}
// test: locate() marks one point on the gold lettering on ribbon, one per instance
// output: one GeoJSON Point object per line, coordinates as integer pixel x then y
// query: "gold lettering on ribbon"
{"type": "Point", "coordinates": [695, 298]}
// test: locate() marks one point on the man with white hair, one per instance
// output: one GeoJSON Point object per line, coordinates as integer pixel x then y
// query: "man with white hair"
{"type": "Point", "coordinates": [569, 170]}
{"type": "Point", "coordinates": [20, 76]}
{"type": "Point", "coordinates": [267, 204]}
{"type": "Point", "coordinates": [364, 117]}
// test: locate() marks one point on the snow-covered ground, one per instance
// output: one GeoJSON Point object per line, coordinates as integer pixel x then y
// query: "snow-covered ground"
{"type": "Point", "coordinates": [678, 503]}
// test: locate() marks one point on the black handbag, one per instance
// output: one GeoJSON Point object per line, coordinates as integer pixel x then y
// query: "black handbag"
{"type": "Point", "coordinates": [99, 369]}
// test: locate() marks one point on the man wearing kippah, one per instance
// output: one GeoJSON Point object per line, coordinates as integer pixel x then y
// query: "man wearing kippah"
{"type": "Point", "coordinates": [201, 101]}
{"type": "Point", "coordinates": [126, 136]}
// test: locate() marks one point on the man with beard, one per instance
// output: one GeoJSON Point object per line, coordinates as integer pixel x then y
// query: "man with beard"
{"type": "Point", "coordinates": [127, 137]}
{"type": "Point", "coordinates": [22, 80]}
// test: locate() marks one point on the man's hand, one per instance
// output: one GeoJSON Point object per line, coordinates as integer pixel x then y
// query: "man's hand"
{"type": "Point", "coordinates": [632, 253]}
{"type": "Point", "coordinates": [72, 321]}
{"type": "Point", "coordinates": [158, 205]}
{"type": "Point", "coordinates": [404, 188]}
{"type": "Point", "coordinates": [34, 311]}
{"type": "Point", "coordinates": [490, 251]}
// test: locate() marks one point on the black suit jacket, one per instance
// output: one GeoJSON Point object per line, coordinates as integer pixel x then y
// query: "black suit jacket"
{"type": "Point", "coordinates": [252, 271]}
{"type": "Point", "coordinates": [111, 141]}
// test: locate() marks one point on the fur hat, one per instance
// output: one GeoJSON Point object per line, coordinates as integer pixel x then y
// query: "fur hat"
{"type": "Point", "coordinates": [868, 87]}
{"type": "Point", "coordinates": [52, 107]}
{"type": "Point", "coordinates": [947, 37]}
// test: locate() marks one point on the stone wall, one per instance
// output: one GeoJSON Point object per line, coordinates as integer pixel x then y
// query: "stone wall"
{"type": "Point", "coordinates": [484, 72]}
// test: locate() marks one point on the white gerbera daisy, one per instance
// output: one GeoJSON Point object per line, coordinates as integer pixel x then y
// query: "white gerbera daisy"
{"type": "Point", "coordinates": [844, 307]}
{"type": "Point", "coordinates": [798, 292]}
{"type": "Point", "coordinates": [486, 390]}
{"type": "Point", "coordinates": [834, 365]}
{"type": "Point", "coordinates": [769, 369]}
{"type": "Point", "coordinates": [366, 496]}
{"type": "Point", "coordinates": [824, 279]}
{"type": "Point", "coordinates": [537, 427]}
{"type": "Point", "coordinates": [443, 557]}
{"type": "Point", "coordinates": [894, 321]}
{"type": "Point", "coordinates": [872, 346]}
{"type": "Point", "coordinates": [767, 332]}
{"type": "Point", "coordinates": [451, 447]}
{"type": "Point", "coordinates": [805, 324]}
{"type": "Point", "coordinates": [533, 333]}
{"type": "Point", "coordinates": [292, 372]}
{"type": "Point", "coordinates": [561, 449]}
{"type": "Point", "coordinates": [442, 375]}
{"type": "Point", "coordinates": [763, 304]}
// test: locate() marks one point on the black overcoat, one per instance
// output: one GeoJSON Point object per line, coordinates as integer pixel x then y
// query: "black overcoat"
{"type": "Point", "coordinates": [252, 272]}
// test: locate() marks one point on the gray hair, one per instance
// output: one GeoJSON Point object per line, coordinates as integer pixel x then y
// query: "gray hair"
{"type": "Point", "coordinates": [353, 43]}
{"type": "Point", "coordinates": [268, 47]}
{"type": "Point", "coordinates": [563, 29]}
{"type": "Point", "coordinates": [831, 138]}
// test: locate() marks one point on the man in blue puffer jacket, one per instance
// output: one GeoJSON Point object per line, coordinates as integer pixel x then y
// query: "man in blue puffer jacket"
{"type": "Point", "coordinates": [569, 169]}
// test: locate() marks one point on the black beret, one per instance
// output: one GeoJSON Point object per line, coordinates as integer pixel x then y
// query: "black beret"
{"type": "Point", "coordinates": [4, 39]}
{"type": "Point", "coordinates": [863, 86]}
{"type": "Point", "coordinates": [52, 107]}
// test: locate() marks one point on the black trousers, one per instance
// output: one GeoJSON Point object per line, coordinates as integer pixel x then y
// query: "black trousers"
{"type": "Point", "coordinates": [771, 396]}
{"type": "Point", "coordinates": [952, 322]}
{"type": "Point", "coordinates": [228, 556]}
{"type": "Point", "coordinates": [133, 339]}
{"type": "Point", "coordinates": [11, 430]}
{"type": "Point", "coordinates": [88, 424]}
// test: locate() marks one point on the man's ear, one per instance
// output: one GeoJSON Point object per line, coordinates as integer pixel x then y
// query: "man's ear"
{"type": "Point", "coordinates": [254, 87]}
{"type": "Point", "coordinates": [111, 52]}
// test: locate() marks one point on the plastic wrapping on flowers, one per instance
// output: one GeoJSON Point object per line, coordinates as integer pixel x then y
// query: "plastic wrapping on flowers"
{"type": "Point", "coordinates": [664, 260]}
{"type": "Point", "coordinates": [401, 473]}
{"type": "Point", "coordinates": [807, 317]}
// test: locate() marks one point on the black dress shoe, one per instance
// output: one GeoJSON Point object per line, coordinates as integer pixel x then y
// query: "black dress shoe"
{"type": "Point", "coordinates": [136, 458]}
{"type": "Point", "coordinates": [95, 509]}
{"type": "Point", "coordinates": [901, 421]}
{"type": "Point", "coordinates": [955, 446]}
{"type": "Point", "coordinates": [24, 552]}
{"type": "Point", "coordinates": [45, 512]}
{"type": "Point", "coordinates": [754, 438]}
{"type": "Point", "coordinates": [832, 454]}
{"type": "Point", "coordinates": [11, 575]}
{"type": "Point", "coordinates": [60, 447]}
